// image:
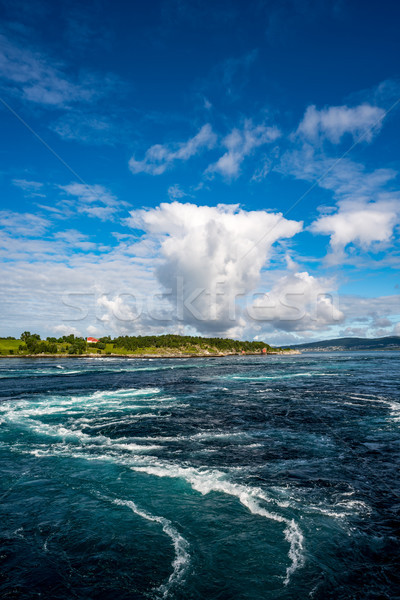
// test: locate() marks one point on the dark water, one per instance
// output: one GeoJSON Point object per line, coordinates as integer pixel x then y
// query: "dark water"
{"type": "Point", "coordinates": [232, 478]}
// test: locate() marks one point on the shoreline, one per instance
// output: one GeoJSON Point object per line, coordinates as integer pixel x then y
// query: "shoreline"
{"type": "Point", "coordinates": [147, 356]}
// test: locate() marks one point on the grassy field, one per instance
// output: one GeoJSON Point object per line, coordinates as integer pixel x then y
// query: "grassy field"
{"type": "Point", "coordinates": [9, 346]}
{"type": "Point", "coordinates": [12, 347]}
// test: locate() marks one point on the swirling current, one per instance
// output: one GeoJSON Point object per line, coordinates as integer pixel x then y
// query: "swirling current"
{"type": "Point", "coordinates": [246, 477]}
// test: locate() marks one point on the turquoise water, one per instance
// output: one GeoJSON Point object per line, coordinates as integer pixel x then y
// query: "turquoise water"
{"type": "Point", "coordinates": [231, 478]}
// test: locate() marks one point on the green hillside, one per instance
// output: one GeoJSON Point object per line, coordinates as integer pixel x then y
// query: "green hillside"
{"type": "Point", "coordinates": [349, 343]}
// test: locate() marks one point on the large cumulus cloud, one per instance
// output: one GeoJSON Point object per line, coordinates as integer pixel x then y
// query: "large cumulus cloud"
{"type": "Point", "coordinates": [211, 256]}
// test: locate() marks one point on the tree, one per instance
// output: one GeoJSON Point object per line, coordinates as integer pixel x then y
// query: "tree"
{"type": "Point", "coordinates": [78, 346]}
{"type": "Point", "coordinates": [69, 339]}
{"type": "Point", "coordinates": [28, 335]}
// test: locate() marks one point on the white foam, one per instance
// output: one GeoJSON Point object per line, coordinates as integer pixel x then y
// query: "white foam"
{"type": "Point", "coordinates": [288, 376]}
{"type": "Point", "coordinates": [392, 404]}
{"type": "Point", "coordinates": [181, 561]}
{"type": "Point", "coordinates": [203, 481]}
{"type": "Point", "coordinates": [73, 443]}
{"type": "Point", "coordinates": [214, 481]}
{"type": "Point", "coordinates": [98, 400]}
{"type": "Point", "coordinates": [355, 505]}
{"type": "Point", "coordinates": [210, 435]}
{"type": "Point", "coordinates": [78, 436]}
{"type": "Point", "coordinates": [125, 392]}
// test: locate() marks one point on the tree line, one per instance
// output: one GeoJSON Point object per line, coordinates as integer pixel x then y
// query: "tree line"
{"type": "Point", "coordinates": [178, 341]}
{"type": "Point", "coordinates": [34, 345]}
{"type": "Point", "coordinates": [72, 344]}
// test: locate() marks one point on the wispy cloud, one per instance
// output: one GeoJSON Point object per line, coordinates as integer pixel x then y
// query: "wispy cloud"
{"type": "Point", "coordinates": [333, 122]}
{"type": "Point", "coordinates": [41, 81]}
{"type": "Point", "coordinates": [344, 177]}
{"type": "Point", "coordinates": [159, 158]}
{"type": "Point", "coordinates": [367, 207]}
{"type": "Point", "coordinates": [93, 200]}
{"type": "Point", "coordinates": [175, 192]}
{"type": "Point", "coordinates": [87, 128]}
{"type": "Point", "coordinates": [23, 224]}
{"type": "Point", "coordinates": [240, 143]}
{"type": "Point", "coordinates": [75, 239]}
{"type": "Point", "coordinates": [31, 188]}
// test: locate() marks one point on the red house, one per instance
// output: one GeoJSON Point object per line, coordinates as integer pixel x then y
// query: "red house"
{"type": "Point", "coordinates": [91, 340]}
{"type": "Point", "coordinates": [264, 351]}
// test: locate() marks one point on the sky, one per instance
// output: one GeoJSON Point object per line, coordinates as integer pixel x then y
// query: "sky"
{"type": "Point", "coordinates": [220, 168]}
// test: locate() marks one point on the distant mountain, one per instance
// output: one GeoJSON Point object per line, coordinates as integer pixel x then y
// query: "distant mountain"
{"type": "Point", "coordinates": [352, 343]}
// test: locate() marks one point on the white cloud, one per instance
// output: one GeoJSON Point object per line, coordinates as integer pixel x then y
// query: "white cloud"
{"type": "Point", "coordinates": [93, 330]}
{"type": "Point", "coordinates": [210, 256]}
{"type": "Point", "coordinates": [344, 177]}
{"type": "Point", "coordinates": [93, 200]}
{"type": "Point", "coordinates": [61, 330]}
{"type": "Point", "coordinates": [239, 144]}
{"type": "Point", "coordinates": [262, 171]}
{"type": "Point", "coordinates": [334, 122]}
{"type": "Point", "coordinates": [367, 310]}
{"type": "Point", "coordinates": [298, 302]}
{"type": "Point", "coordinates": [75, 239]}
{"type": "Point", "coordinates": [364, 317]}
{"type": "Point", "coordinates": [23, 224]}
{"type": "Point", "coordinates": [111, 305]}
{"type": "Point", "coordinates": [367, 209]}
{"type": "Point", "coordinates": [360, 223]}
{"type": "Point", "coordinates": [48, 285]}
{"type": "Point", "coordinates": [159, 158]}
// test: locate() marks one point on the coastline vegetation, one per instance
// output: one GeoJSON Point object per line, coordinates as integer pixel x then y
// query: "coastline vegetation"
{"type": "Point", "coordinates": [165, 345]}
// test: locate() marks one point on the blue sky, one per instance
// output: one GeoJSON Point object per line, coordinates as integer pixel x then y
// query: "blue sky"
{"type": "Point", "coordinates": [223, 168]}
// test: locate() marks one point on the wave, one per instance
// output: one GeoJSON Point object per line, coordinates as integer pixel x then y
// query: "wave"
{"type": "Point", "coordinates": [134, 453]}
{"type": "Point", "coordinates": [267, 377]}
{"type": "Point", "coordinates": [40, 372]}
{"type": "Point", "coordinates": [204, 482]}
{"type": "Point", "coordinates": [87, 440]}
{"type": "Point", "coordinates": [392, 404]}
{"type": "Point", "coordinates": [215, 481]}
{"type": "Point", "coordinates": [61, 371]}
{"type": "Point", "coordinates": [98, 399]}
{"type": "Point", "coordinates": [181, 561]}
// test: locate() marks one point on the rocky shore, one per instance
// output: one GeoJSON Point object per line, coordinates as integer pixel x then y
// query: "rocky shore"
{"type": "Point", "coordinates": [205, 354]}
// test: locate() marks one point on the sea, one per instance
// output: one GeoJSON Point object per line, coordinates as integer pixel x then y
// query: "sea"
{"type": "Point", "coordinates": [232, 478]}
